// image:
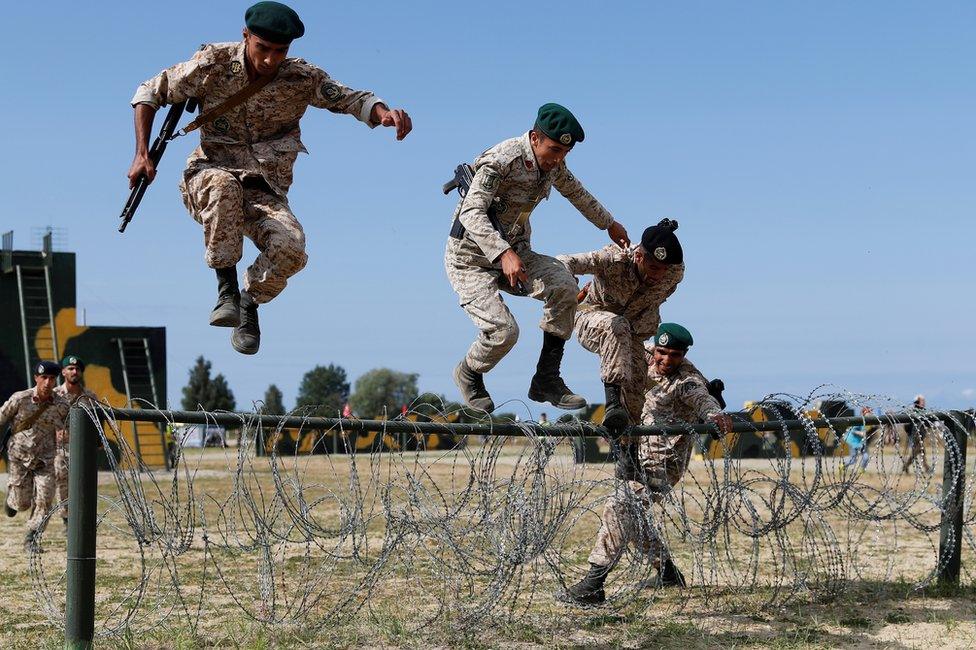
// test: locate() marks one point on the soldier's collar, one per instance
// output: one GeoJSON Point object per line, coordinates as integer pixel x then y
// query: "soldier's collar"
{"type": "Point", "coordinates": [37, 400]}
{"type": "Point", "coordinates": [529, 163]}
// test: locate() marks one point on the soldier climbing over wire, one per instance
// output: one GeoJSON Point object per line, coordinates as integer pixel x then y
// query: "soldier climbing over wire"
{"type": "Point", "coordinates": [621, 309]}
{"type": "Point", "coordinates": [510, 179]}
{"type": "Point", "coordinates": [37, 416]}
{"type": "Point", "coordinates": [677, 394]}
{"type": "Point", "coordinates": [236, 182]}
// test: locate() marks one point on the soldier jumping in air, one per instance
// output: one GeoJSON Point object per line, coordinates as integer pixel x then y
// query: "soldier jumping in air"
{"type": "Point", "coordinates": [73, 389]}
{"type": "Point", "coordinates": [481, 259]}
{"type": "Point", "coordinates": [37, 416]}
{"type": "Point", "coordinates": [678, 393]}
{"type": "Point", "coordinates": [621, 310]}
{"type": "Point", "coordinates": [236, 182]}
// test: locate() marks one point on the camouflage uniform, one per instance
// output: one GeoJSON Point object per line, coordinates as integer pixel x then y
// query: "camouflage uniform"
{"type": "Point", "coordinates": [619, 313]}
{"type": "Point", "coordinates": [86, 398]}
{"type": "Point", "coordinates": [509, 172]}
{"type": "Point", "coordinates": [236, 182]}
{"type": "Point", "coordinates": [680, 397]}
{"type": "Point", "coordinates": [30, 453]}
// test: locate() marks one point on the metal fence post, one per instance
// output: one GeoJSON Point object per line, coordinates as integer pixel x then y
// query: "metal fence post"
{"type": "Point", "coordinates": [950, 538]}
{"type": "Point", "coordinates": [82, 505]}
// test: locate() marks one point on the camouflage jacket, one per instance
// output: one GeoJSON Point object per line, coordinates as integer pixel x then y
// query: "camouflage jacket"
{"type": "Point", "coordinates": [260, 137]}
{"type": "Point", "coordinates": [37, 442]}
{"type": "Point", "coordinates": [681, 397]}
{"type": "Point", "coordinates": [509, 172]}
{"type": "Point", "coordinates": [86, 398]}
{"type": "Point", "coordinates": [618, 288]}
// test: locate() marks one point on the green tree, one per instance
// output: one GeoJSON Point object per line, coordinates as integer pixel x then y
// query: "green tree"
{"type": "Point", "coordinates": [203, 392]}
{"type": "Point", "coordinates": [383, 390]}
{"type": "Point", "coordinates": [273, 401]}
{"type": "Point", "coordinates": [325, 389]}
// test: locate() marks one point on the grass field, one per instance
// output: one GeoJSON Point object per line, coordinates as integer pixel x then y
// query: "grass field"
{"type": "Point", "coordinates": [829, 580]}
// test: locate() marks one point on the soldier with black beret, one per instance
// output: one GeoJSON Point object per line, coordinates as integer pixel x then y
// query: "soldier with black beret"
{"type": "Point", "coordinates": [37, 416]}
{"type": "Point", "coordinates": [620, 309]}
{"type": "Point", "coordinates": [72, 389]}
{"type": "Point", "coordinates": [510, 180]}
{"type": "Point", "coordinates": [677, 393]}
{"type": "Point", "coordinates": [236, 183]}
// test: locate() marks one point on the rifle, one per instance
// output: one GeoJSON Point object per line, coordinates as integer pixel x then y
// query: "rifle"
{"type": "Point", "coordinates": [155, 154]}
{"type": "Point", "coordinates": [463, 177]}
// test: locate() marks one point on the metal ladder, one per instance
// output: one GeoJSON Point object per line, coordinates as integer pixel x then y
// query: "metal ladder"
{"type": "Point", "coordinates": [37, 309]}
{"type": "Point", "coordinates": [140, 388]}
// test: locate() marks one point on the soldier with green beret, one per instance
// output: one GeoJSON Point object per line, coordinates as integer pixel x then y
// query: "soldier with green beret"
{"type": "Point", "coordinates": [73, 390]}
{"type": "Point", "coordinates": [236, 183]}
{"type": "Point", "coordinates": [510, 180]}
{"type": "Point", "coordinates": [677, 394]}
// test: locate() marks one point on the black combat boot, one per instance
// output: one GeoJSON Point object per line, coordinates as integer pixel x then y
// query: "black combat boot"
{"type": "Point", "coordinates": [589, 590]}
{"type": "Point", "coordinates": [227, 313]}
{"type": "Point", "coordinates": [472, 387]}
{"type": "Point", "coordinates": [669, 575]}
{"type": "Point", "coordinates": [247, 336]}
{"type": "Point", "coordinates": [547, 385]}
{"type": "Point", "coordinates": [616, 418]}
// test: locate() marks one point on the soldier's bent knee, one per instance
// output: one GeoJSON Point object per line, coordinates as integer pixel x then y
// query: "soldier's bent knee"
{"type": "Point", "coordinates": [507, 335]}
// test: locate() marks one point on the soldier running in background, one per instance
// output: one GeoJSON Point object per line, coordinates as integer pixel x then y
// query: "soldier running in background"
{"type": "Point", "coordinates": [620, 310]}
{"type": "Point", "coordinates": [678, 393]}
{"type": "Point", "coordinates": [510, 180]}
{"type": "Point", "coordinates": [37, 416]}
{"type": "Point", "coordinates": [73, 389]}
{"type": "Point", "coordinates": [236, 182]}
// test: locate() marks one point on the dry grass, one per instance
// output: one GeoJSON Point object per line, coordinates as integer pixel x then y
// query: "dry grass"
{"type": "Point", "coordinates": [876, 605]}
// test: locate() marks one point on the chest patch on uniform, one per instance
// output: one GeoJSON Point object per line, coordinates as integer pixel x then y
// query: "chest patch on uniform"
{"type": "Point", "coordinates": [529, 164]}
{"type": "Point", "coordinates": [490, 182]}
{"type": "Point", "coordinates": [222, 124]}
{"type": "Point", "coordinates": [236, 67]}
{"type": "Point", "coordinates": [331, 91]}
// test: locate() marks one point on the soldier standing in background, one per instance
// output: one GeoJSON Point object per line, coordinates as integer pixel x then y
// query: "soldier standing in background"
{"type": "Point", "coordinates": [510, 180]}
{"type": "Point", "coordinates": [677, 393]}
{"type": "Point", "coordinates": [73, 389]}
{"type": "Point", "coordinates": [37, 416]}
{"type": "Point", "coordinates": [620, 310]}
{"type": "Point", "coordinates": [236, 182]}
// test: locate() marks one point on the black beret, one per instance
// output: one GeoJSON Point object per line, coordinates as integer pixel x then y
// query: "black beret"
{"type": "Point", "coordinates": [673, 337]}
{"type": "Point", "coordinates": [274, 22]}
{"type": "Point", "coordinates": [48, 368]}
{"type": "Point", "coordinates": [661, 243]}
{"type": "Point", "coordinates": [72, 360]}
{"type": "Point", "coordinates": [559, 124]}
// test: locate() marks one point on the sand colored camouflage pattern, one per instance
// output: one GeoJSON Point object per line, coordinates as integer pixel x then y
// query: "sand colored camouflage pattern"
{"type": "Point", "coordinates": [30, 453]}
{"type": "Point", "coordinates": [477, 284]}
{"type": "Point", "coordinates": [627, 516]}
{"type": "Point", "coordinates": [236, 182]}
{"type": "Point", "coordinates": [85, 398]}
{"type": "Point", "coordinates": [619, 313]}
{"type": "Point", "coordinates": [509, 172]}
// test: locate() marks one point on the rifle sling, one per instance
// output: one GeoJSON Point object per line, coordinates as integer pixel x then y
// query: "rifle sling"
{"type": "Point", "coordinates": [231, 102]}
{"type": "Point", "coordinates": [34, 417]}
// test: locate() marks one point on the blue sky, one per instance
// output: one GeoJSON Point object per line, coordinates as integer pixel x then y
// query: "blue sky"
{"type": "Point", "coordinates": [819, 158]}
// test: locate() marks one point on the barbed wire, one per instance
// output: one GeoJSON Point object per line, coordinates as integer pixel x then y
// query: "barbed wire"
{"type": "Point", "coordinates": [486, 529]}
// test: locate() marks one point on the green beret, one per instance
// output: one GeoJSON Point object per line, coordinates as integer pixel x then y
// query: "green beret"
{"type": "Point", "coordinates": [72, 360]}
{"type": "Point", "coordinates": [47, 368]}
{"type": "Point", "coordinates": [673, 337]}
{"type": "Point", "coordinates": [274, 22]}
{"type": "Point", "coordinates": [661, 244]}
{"type": "Point", "coordinates": [559, 124]}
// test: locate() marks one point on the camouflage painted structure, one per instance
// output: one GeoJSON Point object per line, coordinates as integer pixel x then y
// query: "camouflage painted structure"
{"type": "Point", "coordinates": [126, 366]}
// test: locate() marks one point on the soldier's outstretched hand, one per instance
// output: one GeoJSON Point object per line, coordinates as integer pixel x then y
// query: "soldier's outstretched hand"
{"type": "Point", "coordinates": [396, 118]}
{"type": "Point", "coordinates": [618, 234]}
{"type": "Point", "coordinates": [723, 421]}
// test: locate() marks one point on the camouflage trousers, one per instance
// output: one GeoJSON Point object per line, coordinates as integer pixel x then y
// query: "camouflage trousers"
{"type": "Point", "coordinates": [61, 479]}
{"type": "Point", "coordinates": [229, 210]}
{"type": "Point", "coordinates": [478, 288]}
{"type": "Point", "coordinates": [622, 357]}
{"type": "Point", "coordinates": [627, 517]}
{"type": "Point", "coordinates": [30, 486]}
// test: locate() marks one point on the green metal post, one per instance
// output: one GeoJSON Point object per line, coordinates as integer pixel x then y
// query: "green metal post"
{"type": "Point", "coordinates": [83, 496]}
{"type": "Point", "coordinates": [954, 483]}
